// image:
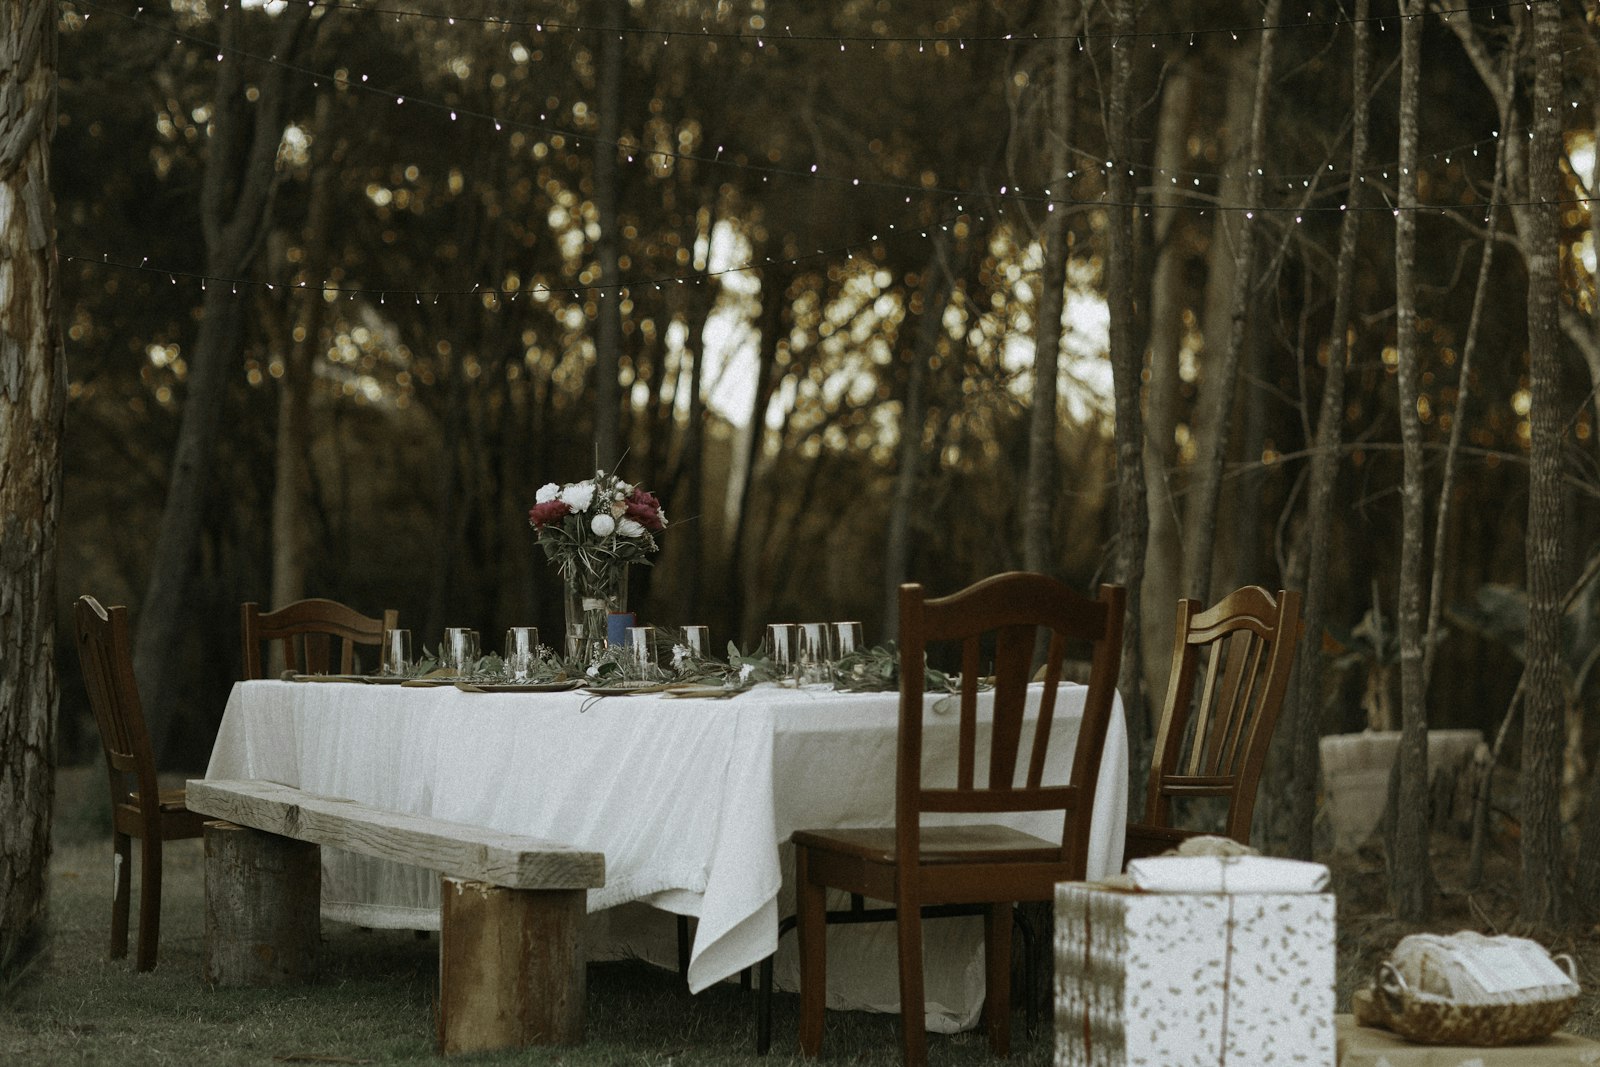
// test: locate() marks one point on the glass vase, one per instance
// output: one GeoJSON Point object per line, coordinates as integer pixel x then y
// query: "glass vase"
{"type": "Point", "coordinates": [590, 600]}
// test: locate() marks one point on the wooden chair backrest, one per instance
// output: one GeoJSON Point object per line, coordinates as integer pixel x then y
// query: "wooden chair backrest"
{"type": "Point", "coordinates": [1013, 608]}
{"type": "Point", "coordinates": [106, 654]}
{"type": "Point", "coordinates": [1238, 654]}
{"type": "Point", "coordinates": [304, 631]}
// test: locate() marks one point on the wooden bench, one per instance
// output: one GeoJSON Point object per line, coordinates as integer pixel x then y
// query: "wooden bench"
{"type": "Point", "coordinates": [511, 970]}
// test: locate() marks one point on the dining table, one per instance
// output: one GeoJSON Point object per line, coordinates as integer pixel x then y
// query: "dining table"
{"type": "Point", "coordinates": [691, 799]}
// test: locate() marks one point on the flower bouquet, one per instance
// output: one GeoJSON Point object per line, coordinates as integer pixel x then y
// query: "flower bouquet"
{"type": "Point", "coordinates": [592, 531]}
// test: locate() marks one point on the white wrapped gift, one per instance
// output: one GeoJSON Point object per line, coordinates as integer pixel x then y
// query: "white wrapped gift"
{"type": "Point", "coordinates": [1191, 978]}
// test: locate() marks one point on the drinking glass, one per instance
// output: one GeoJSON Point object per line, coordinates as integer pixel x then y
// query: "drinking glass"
{"type": "Point", "coordinates": [395, 655]}
{"type": "Point", "coordinates": [641, 644]}
{"type": "Point", "coordinates": [697, 639]}
{"type": "Point", "coordinates": [580, 646]}
{"type": "Point", "coordinates": [522, 651]}
{"type": "Point", "coordinates": [783, 638]}
{"type": "Point", "coordinates": [811, 659]}
{"type": "Point", "coordinates": [460, 649]}
{"type": "Point", "coordinates": [843, 639]}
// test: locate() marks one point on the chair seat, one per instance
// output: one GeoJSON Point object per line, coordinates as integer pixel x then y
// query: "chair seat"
{"type": "Point", "coordinates": [167, 800]}
{"type": "Point", "coordinates": [940, 844]}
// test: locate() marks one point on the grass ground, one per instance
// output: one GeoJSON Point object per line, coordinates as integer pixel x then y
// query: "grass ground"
{"type": "Point", "coordinates": [373, 1002]}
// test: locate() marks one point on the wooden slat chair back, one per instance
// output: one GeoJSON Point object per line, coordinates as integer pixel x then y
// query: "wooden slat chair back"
{"type": "Point", "coordinates": [1230, 673]}
{"type": "Point", "coordinates": [139, 808]}
{"type": "Point", "coordinates": [305, 633]}
{"type": "Point", "coordinates": [915, 866]}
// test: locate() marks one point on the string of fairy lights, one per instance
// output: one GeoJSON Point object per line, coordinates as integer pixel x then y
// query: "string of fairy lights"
{"type": "Point", "coordinates": [1191, 184]}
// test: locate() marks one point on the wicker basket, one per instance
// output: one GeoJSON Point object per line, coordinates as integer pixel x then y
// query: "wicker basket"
{"type": "Point", "coordinates": [1431, 990]}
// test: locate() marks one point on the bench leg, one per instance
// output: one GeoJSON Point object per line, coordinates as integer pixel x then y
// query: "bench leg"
{"type": "Point", "coordinates": [263, 901]}
{"type": "Point", "coordinates": [511, 971]}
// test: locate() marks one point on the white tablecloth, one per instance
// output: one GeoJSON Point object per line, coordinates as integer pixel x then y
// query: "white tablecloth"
{"type": "Point", "coordinates": [691, 801]}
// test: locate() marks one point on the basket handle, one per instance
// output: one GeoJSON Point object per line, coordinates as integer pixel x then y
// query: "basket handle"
{"type": "Point", "coordinates": [1390, 988]}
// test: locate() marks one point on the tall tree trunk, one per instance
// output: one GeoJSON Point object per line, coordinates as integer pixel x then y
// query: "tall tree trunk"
{"type": "Point", "coordinates": [936, 281]}
{"type": "Point", "coordinates": [235, 200]}
{"type": "Point", "coordinates": [1039, 500]}
{"type": "Point", "coordinates": [1163, 556]}
{"type": "Point", "coordinates": [1127, 365]}
{"type": "Point", "coordinates": [291, 485]}
{"type": "Point", "coordinates": [1222, 368]}
{"type": "Point", "coordinates": [1543, 875]}
{"type": "Point", "coordinates": [1307, 686]}
{"type": "Point", "coordinates": [1410, 868]}
{"type": "Point", "coordinates": [1469, 349]}
{"type": "Point", "coordinates": [608, 333]}
{"type": "Point", "coordinates": [774, 303]}
{"type": "Point", "coordinates": [33, 391]}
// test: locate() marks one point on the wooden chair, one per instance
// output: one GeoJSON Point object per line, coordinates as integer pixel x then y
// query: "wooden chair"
{"type": "Point", "coordinates": [1217, 746]}
{"type": "Point", "coordinates": [914, 867]}
{"type": "Point", "coordinates": [138, 808]}
{"type": "Point", "coordinates": [305, 631]}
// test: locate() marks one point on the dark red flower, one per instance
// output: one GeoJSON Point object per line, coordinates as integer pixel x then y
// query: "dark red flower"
{"type": "Point", "coordinates": [644, 509]}
{"type": "Point", "coordinates": [550, 511]}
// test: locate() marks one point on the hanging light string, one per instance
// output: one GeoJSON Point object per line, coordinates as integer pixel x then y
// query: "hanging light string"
{"type": "Point", "coordinates": [814, 172]}
{"type": "Point", "coordinates": [785, 34]}
{"type": "Point", "coordinates": [841, 253]}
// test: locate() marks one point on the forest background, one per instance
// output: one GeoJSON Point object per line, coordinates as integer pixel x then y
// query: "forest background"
{"type": "Point", "coordinates": [1184, 296]}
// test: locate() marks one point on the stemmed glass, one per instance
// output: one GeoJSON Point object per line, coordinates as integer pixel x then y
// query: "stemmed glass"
{"type": "Point", "coordinates": [522, 651]}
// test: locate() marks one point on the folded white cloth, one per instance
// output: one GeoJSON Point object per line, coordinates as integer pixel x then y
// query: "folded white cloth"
{"type": "Point", "coordinates": [1226, 874]}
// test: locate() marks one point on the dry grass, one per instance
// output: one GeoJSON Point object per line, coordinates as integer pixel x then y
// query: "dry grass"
{"type": "Point", "coordinates": [373, 1002]}
{"type": "Point", "coordinates": [1366, 932]}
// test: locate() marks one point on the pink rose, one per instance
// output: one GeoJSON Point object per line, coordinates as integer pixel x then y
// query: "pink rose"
{"type": "Point", "coordinates": [645, 509]}
{"type": "Point", "coordinates": [547, 512]}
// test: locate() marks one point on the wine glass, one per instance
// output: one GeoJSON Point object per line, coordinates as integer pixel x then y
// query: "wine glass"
{"type": "Point", "coordinates": [394, 657]}
{"type": "Point", "coordinates": [522, 651]}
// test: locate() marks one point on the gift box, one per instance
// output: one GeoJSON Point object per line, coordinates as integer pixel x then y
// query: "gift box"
{"type": "Point", "coordinates": [1174, 979]}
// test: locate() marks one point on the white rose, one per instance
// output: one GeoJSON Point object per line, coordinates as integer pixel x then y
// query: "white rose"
{"type": "Point", "coordinates": [602, 525]}
{"type": "Point", "coordinates": [578, 496]}
{"type": "Point", "coordinates": [547, 492]}
{"type": "Point", "coordinates": [629, 528]}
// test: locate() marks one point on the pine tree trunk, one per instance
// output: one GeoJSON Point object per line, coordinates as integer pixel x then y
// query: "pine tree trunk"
{"type": "Point", "coordinates": [1222, 367]}
{"type": "Point", "coordinates": [897, 539]}
{"type": "Point", "coordinates": [1410, 868]}
{"type": "Point", "coordinates": [235, 200]}
{"type": "Point", "coordinates": [1543, 877]}
{"type": "Point", "coordinates": [1038, 509]}
{"type": "Point", "coordinates": [1163, 557]}
{"type": "Point", "coordinates": [608, 297]}
{"type": "Point", "coordinates": [291, 484]}
{"type": "Point", "coordinates": [1127, 365]}
{"type": "Point", "coordinates": [1304, 718]}
{"type": "Point", "coordinates": [33, 384]}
